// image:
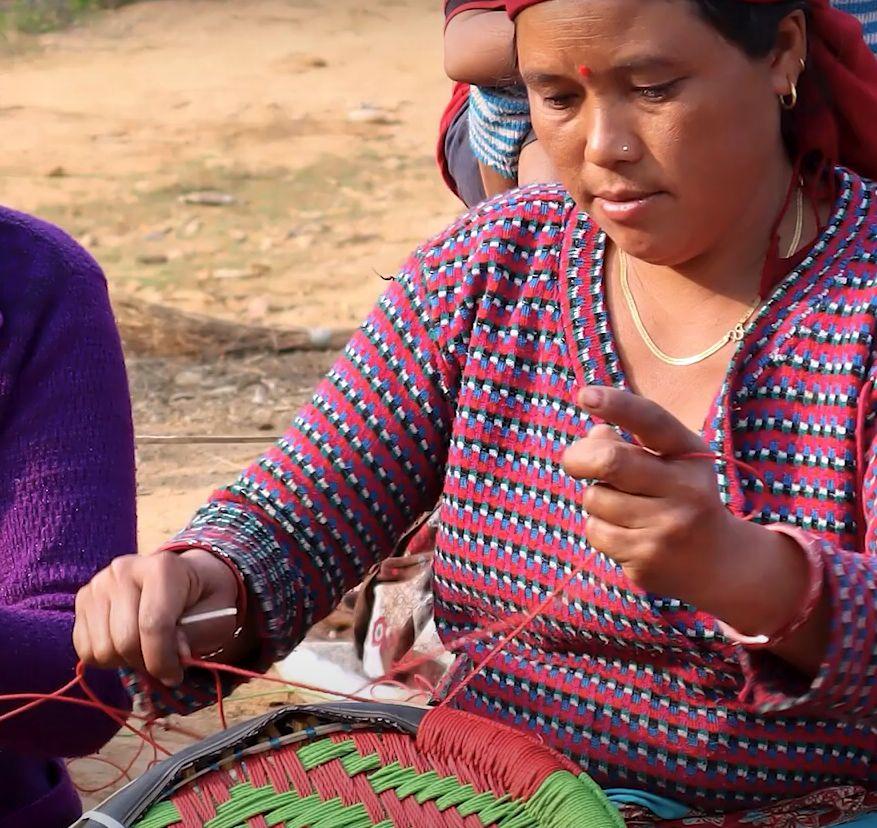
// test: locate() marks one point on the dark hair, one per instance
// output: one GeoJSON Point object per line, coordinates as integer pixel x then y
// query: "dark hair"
{"type": "Point", "coordinates": [750, 26]}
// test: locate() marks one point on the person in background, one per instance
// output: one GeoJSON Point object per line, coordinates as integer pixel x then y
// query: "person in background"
{"type": "Point", "coordinates": [487, 144]}
{"type": "Point", "coordinates": [486, 141]}
{"type": "Point", "coordinates": [66, 503]}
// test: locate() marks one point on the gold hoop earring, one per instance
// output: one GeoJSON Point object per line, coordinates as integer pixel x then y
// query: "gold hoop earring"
{"type": "Point", "coordinates": [790, 100]}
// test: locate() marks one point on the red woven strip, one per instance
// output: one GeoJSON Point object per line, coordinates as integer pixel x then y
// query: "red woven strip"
{"type": "Point", "coordinates": [472, 821]}
{"type": "Point", "coordinates": [287, 759]}
{"type": "Point", "coordinates": [430, 815]}
{"type": "Point", "coordinates": [511, 762]}
{"type": "Point", "coordinates": [414, 814]}
{"type": "Point", "coordinates": [408, 752]}
{"type": "Point", "coordinates": [394, 808]}
{"type": "Point", "coordinates": [204, 807]}
{"type": "Point", "coordinates": [252, 769]}
{"type": "Point", "coordinates": [192, 808]}
{"type": "Point", "coordinates": [382, 747]}
{"type": "Point", "coordinates": [331, 780]}
{"type": "Point", "coordinates": [257, 821]}
{"type": "Point", "coordinates": [451, 819]}
{"type": "Point", "coordinates": [367, 796]}
{"type": "Point", "coordinates": [216, 785]}
{"type": "Point", "coordinates": [275, 773]}
{"type": "Point", "coordinates": [368, 743]}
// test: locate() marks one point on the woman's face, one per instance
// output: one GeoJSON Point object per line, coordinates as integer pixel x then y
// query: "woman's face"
{"type": "Point", "coordinates": [659, 127]}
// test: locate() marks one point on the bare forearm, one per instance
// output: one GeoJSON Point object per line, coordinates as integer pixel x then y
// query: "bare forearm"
{"type": "Point", "coordinates": [764, 588]}
{"type": "Point", "coordinates": [480, 48]}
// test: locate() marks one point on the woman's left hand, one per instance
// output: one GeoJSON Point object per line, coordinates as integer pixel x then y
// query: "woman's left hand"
{"type": "Point", "coordinates": [653, 510]}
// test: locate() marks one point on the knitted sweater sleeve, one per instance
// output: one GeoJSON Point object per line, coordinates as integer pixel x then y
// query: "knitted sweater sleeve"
{"type": "Point", "coordinates": [307, 519]}
{"type": "Point", "coordinates": [66, 476]}
{"type": "Point", "coordinates": [846, 683]}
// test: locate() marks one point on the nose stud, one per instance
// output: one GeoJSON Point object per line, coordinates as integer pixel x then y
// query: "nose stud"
{"type": "Point", "coordinates": [625, 148]}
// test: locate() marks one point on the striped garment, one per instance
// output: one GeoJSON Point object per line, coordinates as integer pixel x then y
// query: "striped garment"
{"type": "Point", "coordinates": [499, 122]}
{"type": "Point", "coordinates": [460, 385]}
{"type": "Point", "coordinates": [866, 11]}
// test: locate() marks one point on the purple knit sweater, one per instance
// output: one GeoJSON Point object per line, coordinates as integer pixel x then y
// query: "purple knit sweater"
{"type": "Point", "coordinates": [66, 501]}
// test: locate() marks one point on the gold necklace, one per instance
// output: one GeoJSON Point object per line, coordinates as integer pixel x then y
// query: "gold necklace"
{"type": "Point", "coordinates": [736, 333]}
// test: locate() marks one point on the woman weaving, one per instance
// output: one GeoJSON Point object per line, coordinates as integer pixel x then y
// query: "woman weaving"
{"type": "Point", "coordinates": [705, 286]}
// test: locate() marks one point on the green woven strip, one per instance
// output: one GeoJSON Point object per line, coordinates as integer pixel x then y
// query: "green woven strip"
{"type": "Point", "coordinates": [247, 801]}
{"type": "Point", "coordinates": [160, 816]}
{"type": "Point", "coordinates": [355, 763]}
{"type": "Point", "coordinates": [332, 814]}
{"type": "Point", "coordinates": [503, 809]}
{"type": "Point", "coordinates": [564, 799]}
{"type": "Point", "coordinates": [314, 812]}
{"type": "Point", "coordinates": [318, 753]}
{"type": "Point", "coordinates": [522, 819]}
{"type": "Point", "coordinates": [292, 809]}
{"type": "Point", "coordinates": [446, 791]}
{"type": "Point", "coordinates": [443, 786]}
{"type": "Point", "coordinates": [455, 797]}
{"type": "Point", "coordinates": [477, 804]}
{"type": "Point", "coordinates": [420, 783]}
{"type": "Point", "coordinates": [391, 776]}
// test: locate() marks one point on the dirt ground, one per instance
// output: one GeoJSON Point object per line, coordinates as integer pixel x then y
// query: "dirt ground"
{"type": "Point", "coordinates": [309, 129]}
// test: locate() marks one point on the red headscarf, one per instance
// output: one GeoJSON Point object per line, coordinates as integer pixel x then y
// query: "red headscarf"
{"type": "Point", "coordinates": [836, 115]}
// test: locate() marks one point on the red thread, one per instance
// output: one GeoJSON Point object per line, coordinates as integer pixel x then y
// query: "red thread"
{"type": "Point", "coordinates": [433, 734]}
{"type": "Point", "coordinates": [529, 617]}
{"type": "Point", "coordinates": [124, 772]}
{"type": "Point", "coordinates": [220, 701]}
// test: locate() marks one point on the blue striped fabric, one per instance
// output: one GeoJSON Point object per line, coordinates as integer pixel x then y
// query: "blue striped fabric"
{"type": "Point", "coordinates": [866, 11]}
{"type": "Point", "coordinates": [499, 122]}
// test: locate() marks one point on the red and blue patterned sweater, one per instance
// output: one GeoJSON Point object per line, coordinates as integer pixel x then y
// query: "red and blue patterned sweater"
{"type": "Point", "coordinates": [460, 386]}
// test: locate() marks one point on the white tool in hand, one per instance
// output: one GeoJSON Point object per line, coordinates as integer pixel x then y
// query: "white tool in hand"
{"type": "Point", "coordinates": [197, 617]}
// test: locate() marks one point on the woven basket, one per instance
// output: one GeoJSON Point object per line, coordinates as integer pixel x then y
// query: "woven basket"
{"type": "Point", "coordinates": [358, 765]}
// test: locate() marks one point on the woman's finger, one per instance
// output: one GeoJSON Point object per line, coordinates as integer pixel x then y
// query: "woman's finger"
{"type": "Point", "coordinates": [165, 585]}
{"type": "Point", "coordinates": [602, 431]}
{"type": "Point", "coordinates": [124, 620]}
{"type": "Point", "coordinates": [81, 638]}
{"type": "Point", "coordinates": [618, 542]}
{"type": "Point", "coordinates": [620, 508]}
{"type": "Point", "coordinates": [95, 620]}
{"type": "Point", "coordinates": [655, 427]}
{"type": "Point", "coordinates": [623, 466]}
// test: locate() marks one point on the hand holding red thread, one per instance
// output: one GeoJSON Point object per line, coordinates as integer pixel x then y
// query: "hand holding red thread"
{"type": "Point", "coordinates": [130, 614]}
{"type": "Point", "coordinates": [655, 509]}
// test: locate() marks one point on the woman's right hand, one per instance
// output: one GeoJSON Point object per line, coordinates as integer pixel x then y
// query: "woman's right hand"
{"type": "Point", "coordinates": [128, 615]}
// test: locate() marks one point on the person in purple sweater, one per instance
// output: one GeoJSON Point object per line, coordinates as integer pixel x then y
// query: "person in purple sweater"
{"type": "Point", "coordinates": [66, 502]}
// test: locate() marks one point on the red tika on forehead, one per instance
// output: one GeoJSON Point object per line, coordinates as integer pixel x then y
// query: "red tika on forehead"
{"type": "Point", "coordinates": [835, 125]}
{"type": "Point", "coordinates": [584, 71]}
